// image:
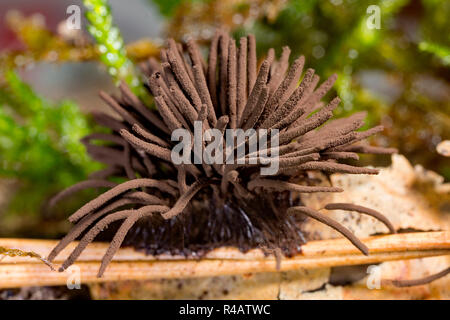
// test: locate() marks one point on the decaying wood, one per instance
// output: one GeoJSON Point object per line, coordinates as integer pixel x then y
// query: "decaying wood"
{"type": "Point", "coordinates": [131, 265]}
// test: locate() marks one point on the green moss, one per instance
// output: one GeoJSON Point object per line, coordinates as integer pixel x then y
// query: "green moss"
{"type": "Point", "coordinates": [40, 144]}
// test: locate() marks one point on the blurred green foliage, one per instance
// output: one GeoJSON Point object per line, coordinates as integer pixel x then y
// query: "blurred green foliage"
{"type": "Point", "coordinates": [167, 8]}
{"type": "Point", "coordinates": [440, 51]}
{"type": "Point", "coordinates": [39, 144]}
{"type": "Point", "coordinates": [40, 148]}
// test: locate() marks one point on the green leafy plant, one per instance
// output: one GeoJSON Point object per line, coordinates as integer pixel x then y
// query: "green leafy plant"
{"type": "Point", "coordinates": [39, 144]}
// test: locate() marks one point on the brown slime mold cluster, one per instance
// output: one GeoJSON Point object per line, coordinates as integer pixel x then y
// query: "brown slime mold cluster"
{"type": "Point", "coordinates": [192, 208]}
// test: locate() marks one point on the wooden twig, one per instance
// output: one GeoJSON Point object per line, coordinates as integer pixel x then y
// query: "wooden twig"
{"type": "Point", "coordinates": [131, 265]}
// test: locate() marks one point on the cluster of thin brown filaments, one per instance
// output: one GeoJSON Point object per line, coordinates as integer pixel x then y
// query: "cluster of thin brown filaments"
{"type": "Point", "coordinates": [227, 91]}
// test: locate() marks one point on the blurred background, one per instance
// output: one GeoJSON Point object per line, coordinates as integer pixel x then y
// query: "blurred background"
{"type": "Point", "coordinates": [392, 58]}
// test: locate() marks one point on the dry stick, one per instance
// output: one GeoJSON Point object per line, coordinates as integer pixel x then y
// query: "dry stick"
{"type": "Point", "coordinates": [154, 150]}
{"type": "Point", "coordinates": [221, 125]}
{"type": "Point", "coordinates": [333, 129]}
{"type": "Point", "coordinates": [282, 151]}
{"type": "Point", "coordinates": [233, 177]}
{"type": "Point", "coordinates": [168, 117]}
{"type": "Point", "coordinates": [149, 166]}
{"type": "Point", "coordinates": [116, 107]}
{"type": "Point", "coordinates": [317, 95]}
{"type": "Point", "coordinates": [6, 252]}
{"type": "Point", "coordinates": [223, 67]}
{"type": "Point", "coordinates": [184, 105]}
{"type": "Point", "coordinates": [186, 64]}
{"type": "Point", "coordinates": [251, 62]}
{"type": "Point", "coordinates": [241, 78]}
{"type": "Point", "coordinates": [182, 56]}
{"type": "Point", "coordinates": [202, 114]}
{"type": "Point", "coordinates": [127, 157]}
{"type": "Point", "coordinates": [108, 121]}
{"type": "Point", "coordinates": [343, 125]}
{"type": "Point", "coordinates": [360, 136]}
{"type": "Point", "coordinates": [145, 198]}
{"type": "Point", "coordinates": [257, 110]}
{"type": "Point", "coordinates": [183, 79]}
{"type": "Point", "coordinates": [271, 56]}
{"type": "Point", "coordinates": [159, 87]}
{"type": "Point", "coordinates": [140, 107]}
{"type": "Point", "coordinates": [336, 167]}
{"type": "Point", "coordinates": [256, 91]}
{"type": "Point", "coordinates": [127, 162]}
{"type": "Point", "coordinates": [155, 83]}
{"type": "Point", "coordinates": [105, 173]}
{"type": "Point", "coordinates": [282, 67]}
{"type": "Point", "coordinates": [232, 83]}
{"type": "Point", "coordinates": [149, 136]}
{"type": "Point", "coordinates": [296, 160]}
{"type": "Point", "coordinates": [111, 156]}
{"type": "Point", "coordinates": [291, 101]}
{"type": "Point", "coordinates": [293, 108]}
{"type": "Point", "coordinates": [150, 148]}
{"type": "Point", "coordinates": [116, 242]}
{"type": "Point", "coordinates": [150, 66]}
{"type": "Point", "coordinates": [381, 244]}
{"type": "Point", "coordinates": [285, 162]}
{"type": "Point", "coordinates": [184, 199]}
{"type": "Point", "coordinates": [364, 210]}
{"type": "Point", "coordinates": [195, 55]}
{"type": "Point", "coordinates": [285, 89]}
{"type": "Point", "coordinates": [370, 149]}
{"type": "Point", "coordinates": [324, 142]}
{"type": "Point", "coordinates": [332, 223]}
{"type": "Point", "coordinates": [121, 188]}
{"type": "Point", "coordinates": [212, 66]}
{"type": "Point", "coordinates": [181, 177]}
{"type": "Point", "coordinates": [340, 155]}
{"type": "Point", "coordinates": [299, 152]}
{"type": "Point", "coordinates": [129, 264]}
{"type": "Point", "coordinates": [204, 94]}
{"type": "Point", "coordinates": [20, 275]}
{"type": "Point", "coordinates": [92, 233]}
{"type": "Point", "coordinates": [177, 50]}
{"type": "Point", "coordinates": [311, 123]}
{"type": "Point", "coordinates": [283, 185]}
{"type": "Point", "coordinates": [288, 150]}
{"type": "Point", "coordinates": [306, 101]}
{"type": "Point", "coordinates": [84, 223]}
{"type": "Point", "coordinates": [169, 76]}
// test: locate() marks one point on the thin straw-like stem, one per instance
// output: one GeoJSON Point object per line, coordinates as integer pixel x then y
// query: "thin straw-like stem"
{"type": "Point", "coordinates": [128, 264]}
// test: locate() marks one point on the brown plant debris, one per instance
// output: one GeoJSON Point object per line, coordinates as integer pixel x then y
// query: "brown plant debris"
{"type": "Point", "coordinates": [6, 252]}
{"type": "Point", "coordinates": [191, 209]}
